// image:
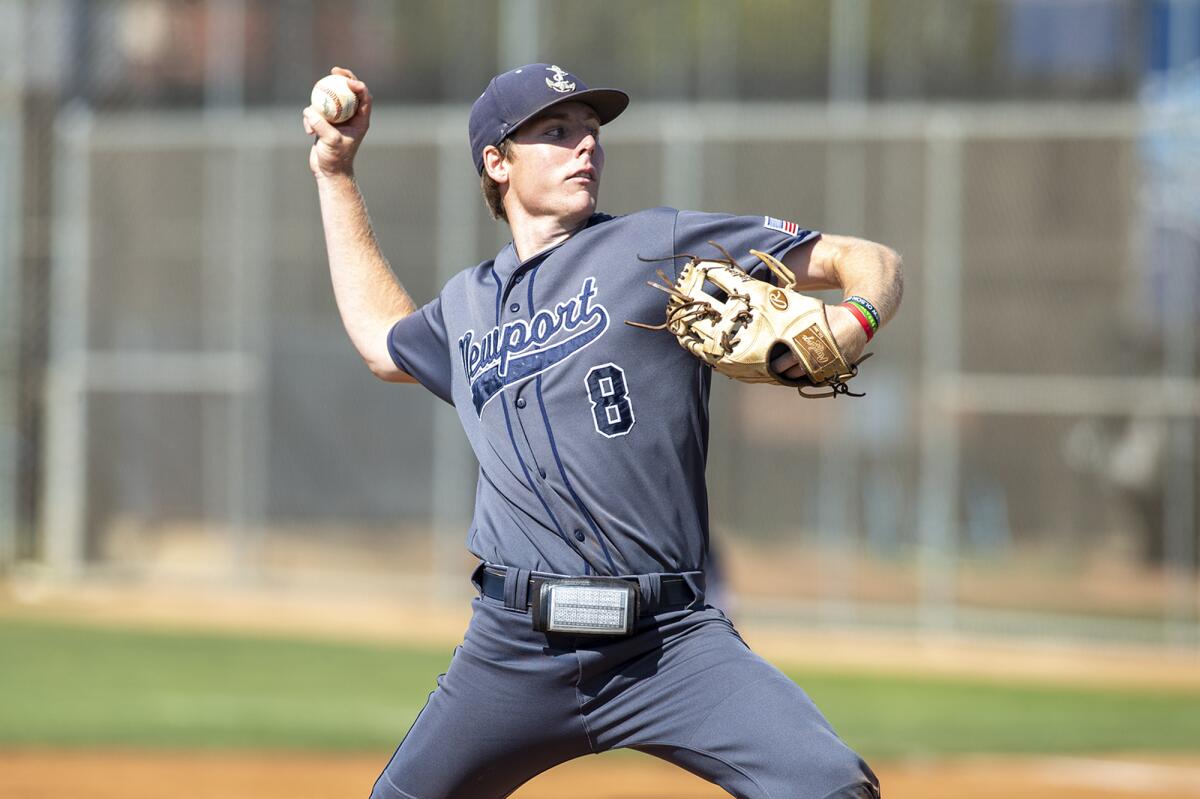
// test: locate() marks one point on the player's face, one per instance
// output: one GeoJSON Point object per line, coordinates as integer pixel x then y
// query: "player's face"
{"type": "Point", "coordinates": [557, 163]}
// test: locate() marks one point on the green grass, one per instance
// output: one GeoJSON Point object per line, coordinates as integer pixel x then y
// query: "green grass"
{"type": "Point", "coordinates": [66, 685]}
{"type": "Point", "coordinates": [63, 685]}
{"type": "Point", "coordinates": [894, 716]}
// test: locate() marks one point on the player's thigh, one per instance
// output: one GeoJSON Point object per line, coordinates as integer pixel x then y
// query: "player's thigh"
{"type": "Point", "coordinates": [502, 713]}
{"type": "Point", "coordinates": [726, 714]}
{"type": "Point", "coordinates": [764, 739]}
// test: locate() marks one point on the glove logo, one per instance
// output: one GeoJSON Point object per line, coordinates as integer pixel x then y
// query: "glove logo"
{"type": "Point", "coordinates": [560, 83]}
{"type": "Point", "coordinates": [810, 342]}
{"type": "Point", "coordinates": [778, 299]}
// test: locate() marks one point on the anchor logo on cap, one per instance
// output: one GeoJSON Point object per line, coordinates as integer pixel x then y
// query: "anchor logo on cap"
{"type": "Point", "coordinates": [560, 83]}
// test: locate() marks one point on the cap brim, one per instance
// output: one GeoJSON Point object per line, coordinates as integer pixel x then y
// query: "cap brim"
{"type": "Point", "coordinates": [607, 103]}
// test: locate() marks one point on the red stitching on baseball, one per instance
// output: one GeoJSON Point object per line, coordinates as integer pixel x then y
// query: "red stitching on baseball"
{"type": "Point", "coordinates": [333, 96]}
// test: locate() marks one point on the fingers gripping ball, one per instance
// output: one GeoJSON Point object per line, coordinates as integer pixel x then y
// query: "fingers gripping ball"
{"type": "Point", "coordinates": [334, 98]}
{"type": "Point", "coordinates": [736, 324]}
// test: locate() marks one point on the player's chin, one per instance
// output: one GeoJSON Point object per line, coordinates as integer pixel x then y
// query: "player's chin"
{"type": "Point", "coordinates": [583, 198]}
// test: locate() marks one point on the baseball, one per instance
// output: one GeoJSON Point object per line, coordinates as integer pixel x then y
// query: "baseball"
{"type": "Point", "coordinates": [334, 98]}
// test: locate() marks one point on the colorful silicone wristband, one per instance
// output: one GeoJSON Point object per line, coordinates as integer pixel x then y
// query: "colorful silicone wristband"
{"type": "Point", "coordinates": [867, 308]}
{"type": "Point", "coordinates": [862, 319]}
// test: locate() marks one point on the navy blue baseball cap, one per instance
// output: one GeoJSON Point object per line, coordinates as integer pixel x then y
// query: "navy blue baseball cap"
{"type": "Point", "coordinates": [515, 97]}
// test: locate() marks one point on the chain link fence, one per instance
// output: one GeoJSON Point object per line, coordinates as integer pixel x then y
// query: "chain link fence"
{"type": "Point", "coordinates": [180, 400]}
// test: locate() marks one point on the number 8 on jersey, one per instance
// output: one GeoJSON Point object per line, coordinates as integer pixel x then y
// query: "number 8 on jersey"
{"type": "Point", "coordinates": [611, 409]}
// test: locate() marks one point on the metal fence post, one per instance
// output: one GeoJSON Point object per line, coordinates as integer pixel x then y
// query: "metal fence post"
{"type": "Point", "coordinates": [249, 425]}
{"type": "Point", "coordinates": [64, 486]}
{"type": "Point", "coordinates": [1179, 499]}
{"type": "Point", "coordinates": [11, 161]}
{"type": "Point", "coordinates": [519, 33]}
{"type": "Point", "coordinates": [941, 288]}
{"type": "Point", "coordinates": [845, 197]}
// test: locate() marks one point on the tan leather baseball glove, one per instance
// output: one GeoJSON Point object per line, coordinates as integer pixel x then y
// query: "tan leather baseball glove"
{"type": "Point", "coordinates": [738, 325]}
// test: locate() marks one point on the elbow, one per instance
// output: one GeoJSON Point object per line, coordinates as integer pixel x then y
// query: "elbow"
{"type": "Point", "coordinates": [374, 347]}
{"type": "Point", "coordinates": [898, 275]}
{"type": "Point", "coordinates": [892, 260]}
{"type": "Point", "coordinates": [387, 371]}
{"type": "Point", "coordinates": [892, 266]}
{"type": "Point", "coordinates": [397, 376]}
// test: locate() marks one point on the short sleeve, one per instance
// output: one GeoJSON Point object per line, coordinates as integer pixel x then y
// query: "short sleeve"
{"type": "Point", "coordinates": [417, 344]}
{"type": "Point", "coordinates": [738, 234]}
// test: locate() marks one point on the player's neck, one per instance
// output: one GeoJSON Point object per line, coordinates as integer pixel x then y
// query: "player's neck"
{"type": "Point", "coordinates": [532, 235]}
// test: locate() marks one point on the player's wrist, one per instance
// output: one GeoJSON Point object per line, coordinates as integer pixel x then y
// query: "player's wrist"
{"type": "Point", "coordinates": [341, 177]}
{"type": "Point", "coordinates": [847, 331]}
{"type": "Point", "coordinates": [864, 313]}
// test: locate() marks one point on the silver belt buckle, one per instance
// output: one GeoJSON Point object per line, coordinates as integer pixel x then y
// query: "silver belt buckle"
{"type": "Point", "coordinates": [586, 606]}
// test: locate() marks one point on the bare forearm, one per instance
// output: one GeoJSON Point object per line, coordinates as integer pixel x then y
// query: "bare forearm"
{"type": "Point", "coordinates": [369, 297]}
{"type": "Point", "coordinates": [872, 271]}
{"type": "Point", "coordinates": [857, 267]}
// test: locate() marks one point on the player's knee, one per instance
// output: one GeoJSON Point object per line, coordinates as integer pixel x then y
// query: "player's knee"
{"type": "Point", "coordinates": [862, 791]}
{"type": "Point", "coordinates": [855, 777]}
{"type": "Point", "coordinates": [850, 773]}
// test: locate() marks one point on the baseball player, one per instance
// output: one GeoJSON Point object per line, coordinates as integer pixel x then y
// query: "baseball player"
{"type": "Point", "coordinates": [590, 631]}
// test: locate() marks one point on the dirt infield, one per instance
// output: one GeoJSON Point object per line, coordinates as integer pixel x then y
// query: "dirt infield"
{"type": "Point", "coordinates": [43, 774]}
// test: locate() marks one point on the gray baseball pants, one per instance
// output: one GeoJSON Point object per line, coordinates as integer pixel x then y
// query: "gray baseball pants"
{"type": "Point", "coordinates": [683, 687]}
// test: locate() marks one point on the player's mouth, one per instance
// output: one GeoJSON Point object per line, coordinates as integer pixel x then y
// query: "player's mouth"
{"type": "Point", "coordinates": [586, 175]}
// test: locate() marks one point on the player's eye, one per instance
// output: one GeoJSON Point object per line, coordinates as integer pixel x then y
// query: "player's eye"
{"type": "Point", "coordinates": [555, 132]}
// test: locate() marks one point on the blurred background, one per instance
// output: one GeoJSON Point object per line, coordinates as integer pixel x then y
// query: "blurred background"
{"type": "Point", "coordinates": [994, 554]}
{"type": "Point", "coordinates": [180, 406]}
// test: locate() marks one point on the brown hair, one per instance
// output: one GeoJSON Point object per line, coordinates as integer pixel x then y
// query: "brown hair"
{"type": "Point", "coordinates": [491, 189]}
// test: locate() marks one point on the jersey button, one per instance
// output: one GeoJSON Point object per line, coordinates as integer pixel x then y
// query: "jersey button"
{"type": "Point", "coordinates": [514, 307]}
{"type": "Point", "coordinates": [520, 403]}
{"type": "Point", "coordinates": [579, 535]}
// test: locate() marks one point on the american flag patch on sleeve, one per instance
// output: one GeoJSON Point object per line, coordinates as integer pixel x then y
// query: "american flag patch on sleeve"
{"type": "Point", "coordinates": [782, 225]}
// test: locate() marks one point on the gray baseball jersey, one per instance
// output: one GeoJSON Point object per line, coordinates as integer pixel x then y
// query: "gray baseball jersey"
{"type": "Point", "coordinates": [591, 434]}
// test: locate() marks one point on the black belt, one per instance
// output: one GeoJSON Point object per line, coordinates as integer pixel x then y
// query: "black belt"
{"type": "Point", "coordinates": [675, 590]}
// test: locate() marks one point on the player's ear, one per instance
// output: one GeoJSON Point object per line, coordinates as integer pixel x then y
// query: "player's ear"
{"type": "Point", "coordinates": [495, 164]}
